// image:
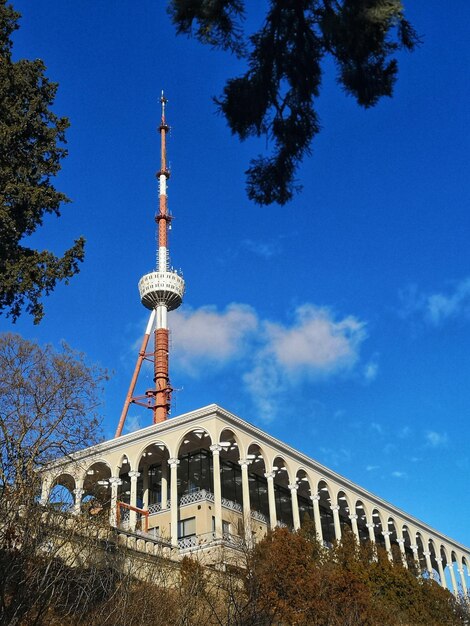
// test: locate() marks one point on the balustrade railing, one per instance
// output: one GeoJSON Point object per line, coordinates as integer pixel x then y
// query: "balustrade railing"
{"type": "Point", "coordinates": [187, 542]}
{"type": "Point", "coordinates": [206, 539]}
{"type": "Point", "coordinates": [260, 517]}
{"type": "Point", "coordinates": [205, 494]}
{"type": "Point", "coordinates": [196, 496]}
{"type": "Point", "coordinates": [233, 506]}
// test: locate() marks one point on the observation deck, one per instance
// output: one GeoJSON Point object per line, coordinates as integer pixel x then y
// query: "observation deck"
{"type": "Point", "coordinates": [161, 288]}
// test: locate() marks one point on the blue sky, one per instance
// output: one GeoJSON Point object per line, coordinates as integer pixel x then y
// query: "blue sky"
{"type": "Point", "coordinates": [339, 323]}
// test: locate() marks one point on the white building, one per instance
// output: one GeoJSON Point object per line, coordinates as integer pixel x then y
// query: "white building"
{"type": "Point", "coordinates": [208, 478]}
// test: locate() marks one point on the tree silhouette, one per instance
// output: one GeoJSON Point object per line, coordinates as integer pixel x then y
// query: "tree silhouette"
{"type": "Point", "coordinates": [276, 95]}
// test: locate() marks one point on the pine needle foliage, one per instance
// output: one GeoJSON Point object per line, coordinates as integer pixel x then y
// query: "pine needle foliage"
{"type": "Point", "coordinates": [32, 139]}
{"type": "Point", "coordinates": [276, 96]}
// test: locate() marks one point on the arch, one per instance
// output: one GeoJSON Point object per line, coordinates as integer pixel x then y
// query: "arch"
{"type": "Point", "coordinates": [391, 528]}
{"type": "Point", "coordinates": [303, 496]}
{"type": "Point", "coordinates": [123, 465]}
{"type": "Point", "coordinates": [421, 558]}
{"type": "Point", "coordinates": [407, 535]}
{"type": "Point", "coordinates": [326, 514]}
{"type": "Point", "coordinates": [258, 484]}
{"type": "Point", "coordinates": [195, 469]}
{"type": "Point", "coordinates": [228, 435]}
{"type": "Point", "coordinates": [379, 529]}
{"type": "Point", "coordinates": [152, 482]}
{"type": "Point", "coordinates": [444, 554]}
{"type": "Point", "coordinates": [362, 520]}
{"type": "Point", "coordinates": [230, 470]}
{"type": "Point", "coordinates": [61, 492]}
{"type": "Point", "coordinates": [282, 494]}
{"type": "Point", "coordinates": [343, 501]}
{"type": "Point", "coordinates": [96, 486]}
{"type": "Point", "coordinates": [64, 479]}
{"type": "Point", "coordinates": [433, 556]}
{"type": "Point", "coordinates": [157, 443]}
{"type": "Point", "coordinates": [194, 435]}
{"type": "Point", "coordinates": [261, 450]}
{"type": "Point", "coordinates": [453, 565]}
{"type": "Point", "coordinates": [281, 465]}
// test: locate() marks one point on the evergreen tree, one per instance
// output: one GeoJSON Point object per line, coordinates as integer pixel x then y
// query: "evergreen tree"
{"type": "Point", "coordinates": [31, 149]}
{"type": "Point", "coordinates": [276, 96]}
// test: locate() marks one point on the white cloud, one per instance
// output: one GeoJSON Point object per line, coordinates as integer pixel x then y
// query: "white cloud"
{"type": "Point", "coordinates": [397, 474]}
{"type": "Point", "coordinates": [371, 370]}
{"type": "Point", "coordinates": [132, 424]}
{"type": "Point", "coordinates": [263, 249]}
{"type": "Point", "coordinates": [316, 343]}
{"type": "Point", "coordinates": [276, 357]}
{"type": "Point", "coordinates": [436, 308]}
{"type": "Point", "coordinates": [377, 427]}
{"type": "Point", "coordinates": [435, 440]}
{"type": "Point", "coordinates": [315, 346]}
{"type": "Point", "coordinates": [372, 468]}
{"type": "Point", "coordinates": [206, 334]}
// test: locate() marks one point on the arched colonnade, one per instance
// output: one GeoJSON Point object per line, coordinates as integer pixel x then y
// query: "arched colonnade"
{"type": "Point", "coordinates": [266, 483]}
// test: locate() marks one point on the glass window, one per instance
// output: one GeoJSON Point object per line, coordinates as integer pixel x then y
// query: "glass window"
{"type": "Point", "coordinates": [155, 483]}
{"type": "Point", "coordinates": [195, 472]}
{"type": "Point", "coordinates": [187, 528]}
{"type": "Point", "coordinates": [283, 504]}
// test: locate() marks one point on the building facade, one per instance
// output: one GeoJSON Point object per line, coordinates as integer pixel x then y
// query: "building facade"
{"type": "Point", "coordinates": [208, 478]}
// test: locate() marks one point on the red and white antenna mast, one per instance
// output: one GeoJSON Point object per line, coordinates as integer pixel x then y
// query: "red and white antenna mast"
{"type": "Point", "coordinates": [160, 291]}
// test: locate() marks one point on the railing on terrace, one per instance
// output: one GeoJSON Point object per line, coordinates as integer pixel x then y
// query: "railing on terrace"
{"type": "Point", "coordinates": [157, 507]}
{"type": "Point", "coordinates": [233, 506]}
{"type": "Point", "coordinates": [148, 536]}
{"type": "Point", "coordinates": [196, 496]}
{"type": "Point", "coordinates": [205, 494]}
{"type": "Point", "coordinates": [260, 517]}
{"type": "Point", "coordinates": [207, 539]}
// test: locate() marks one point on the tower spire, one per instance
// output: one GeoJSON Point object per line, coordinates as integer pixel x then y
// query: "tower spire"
{"type": "Point", "coordinates": [160, 291]}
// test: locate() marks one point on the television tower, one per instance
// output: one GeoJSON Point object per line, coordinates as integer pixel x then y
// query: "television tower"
{"type": "Point", "coordinates": [160, 291]}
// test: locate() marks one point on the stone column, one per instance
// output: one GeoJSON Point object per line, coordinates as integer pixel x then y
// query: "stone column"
{"type": "Point", "coordinates": [272, 499]}
{"type": "Point", "coordinates": [77, 507]}
{"type": "Point", "coordinates": [215, 449]}
{"type": "Point", "coordinates": [441, 572]}
{"type": "Point", "coordinates": [427, 556]}
{"type": "Point", "coordinates": [370, 527]}
{"type": "Point", "coordinates": [246, 500]}
{"type": "Point", "coordinates": [401, 543]}
{"type": "Point", "coordinates": [386, 535]}
{"type": "Point", "coordinates": [145, 488]}
{"type": "Point", "coordinates": [317, 517]}
{"type": "Point", "coordinates": [164, 485]}
{"type": "Point", "coordinates": [414, 547]}
{"type": "Point", "coordinates": [354, 527]}
{"type": "Point", "coordinates": [45, 490]}
{"type": "Point", "coordinates": [295, 505]}
{"type": "Point", "coordinates": [335, 509]}
{"type": "Point", "coordinates": [114, 481]}
{"type": "Point", "coordinates": [173, 463]}
{"type": "Point", "coordinates": [462, 580]}
{"type": "Point", "coordinates": [452, 577]}
{"type": "Point", "coordinates": [78, 493]}
{"type": "Point", "coordinates": [133, 475]}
